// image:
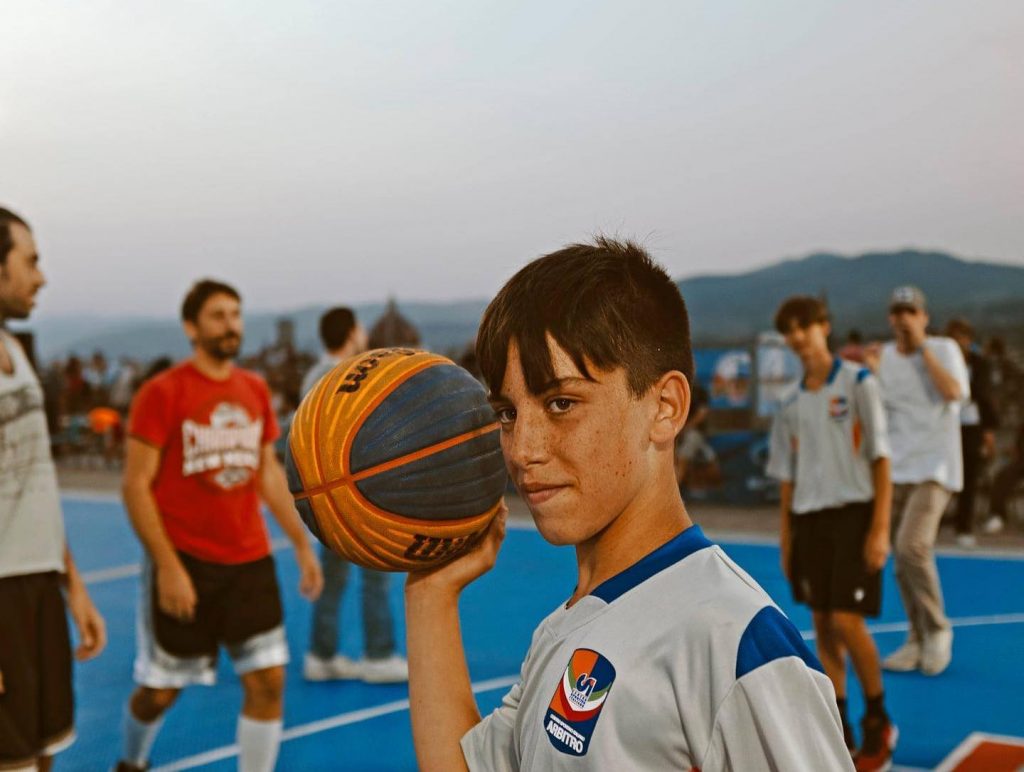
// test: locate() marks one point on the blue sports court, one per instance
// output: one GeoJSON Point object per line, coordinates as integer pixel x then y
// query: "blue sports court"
{"type": "Point", "coordinates": [353, 726]}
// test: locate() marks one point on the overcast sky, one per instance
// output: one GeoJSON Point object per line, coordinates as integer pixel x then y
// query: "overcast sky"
{"type": "Point", "coordinates": [344, 151]}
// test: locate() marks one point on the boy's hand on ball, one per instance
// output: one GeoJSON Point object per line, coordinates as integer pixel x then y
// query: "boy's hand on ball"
{"type": "Point", "coordinates": [311, 577]}
{"type": "Point", "coordinates": [454, 575]}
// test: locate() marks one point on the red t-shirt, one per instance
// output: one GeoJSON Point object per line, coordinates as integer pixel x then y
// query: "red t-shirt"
{"type": "Point", "coordinates": [211, 434]}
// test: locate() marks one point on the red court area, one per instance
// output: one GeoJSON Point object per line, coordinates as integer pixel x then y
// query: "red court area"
{"type": "Point", "coordinates": [986, 753]}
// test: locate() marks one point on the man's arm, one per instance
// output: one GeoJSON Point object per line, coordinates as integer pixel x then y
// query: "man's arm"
{"type": "Point", "coordinates": [442, 705]}
{"type": "Point", "coordinates": [274, 490]}
{"type": "Point", "coordinates": [947, 383]}
{"type": "Point", "coordinates": [92, 631]}
{"type": "Point", "coordinates": [176, 595]}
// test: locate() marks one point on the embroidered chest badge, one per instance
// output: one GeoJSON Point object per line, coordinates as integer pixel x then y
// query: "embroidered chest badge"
{"type": "Point", "coordinates": [838, 408]}
{"type": "Point", "coordinates": [578, 701]}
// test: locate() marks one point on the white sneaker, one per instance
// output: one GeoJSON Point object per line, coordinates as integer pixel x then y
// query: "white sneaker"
{"type": "Point", "coordinates": [993, 525]}
{"type": "Point", "coordinates": [906, 658]}
{"type": "Point", "coordinates": [389, 670]}
{"type": "Point", "coordinates": [967, 541]}
{"type": "Point", "coordinates": [337, 668]}
{"type": "Point", "coordinates": [937, 652]}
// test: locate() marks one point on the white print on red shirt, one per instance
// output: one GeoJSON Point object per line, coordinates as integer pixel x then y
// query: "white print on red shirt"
{"type": "Point", "coordinates": [229, 443]}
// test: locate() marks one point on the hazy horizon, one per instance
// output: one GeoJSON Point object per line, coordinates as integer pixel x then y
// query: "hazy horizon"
{"type": "Point", "coordinates": [319, 153]}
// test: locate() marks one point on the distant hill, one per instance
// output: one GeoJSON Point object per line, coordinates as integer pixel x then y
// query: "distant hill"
{"type": "Point", "coordinates": [723, 308]}
{"type": "Point", "coordinates": [732, 308]}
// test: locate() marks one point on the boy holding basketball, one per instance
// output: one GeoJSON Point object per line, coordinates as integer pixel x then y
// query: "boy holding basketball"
{"type": "Point", "coordinates": [666, 655]}
{"type": "Point", "coordinates": [199, 459]}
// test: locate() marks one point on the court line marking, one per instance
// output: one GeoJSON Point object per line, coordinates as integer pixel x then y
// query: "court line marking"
{"type": "Point", "coordinates": [128, 570]}
{"type": "Point", "coordinates": [314, 727]}
{"type": "Point", "coordinates": [739, 538]}
{"type": "Point", "coordinates": [753, 539]}
{"type": "Point", "coordinates": [366, 714]}
{"type": "Point", "coordinates": [897, 627]}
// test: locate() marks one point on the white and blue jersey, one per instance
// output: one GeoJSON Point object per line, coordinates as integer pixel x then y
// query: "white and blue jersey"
{"type": "Point", "coordinates": [680, 662]}
{"type": "Point", "coordinates": [824, 441]}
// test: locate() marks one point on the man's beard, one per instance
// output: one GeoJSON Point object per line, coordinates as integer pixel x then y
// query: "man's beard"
{"type": "Point", "coordinates": [223, 347]}
{"type": "Point", "coordinates": [13, 308]}
{"type": "Point", "coordinates": [13, 312]}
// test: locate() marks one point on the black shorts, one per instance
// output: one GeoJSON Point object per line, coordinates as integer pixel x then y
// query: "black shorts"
{"type": "Point", "coordinates": [827, 570]}
{"type": "Point", "coordinates": [36, 703]}
{"type": "Point", "coordinates": [239, 607]}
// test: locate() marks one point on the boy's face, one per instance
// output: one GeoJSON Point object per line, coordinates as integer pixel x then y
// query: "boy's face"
{"type": "Point", "coordinates": [577, 453]}
{"type": "Point", "coordinates": [808, 341]}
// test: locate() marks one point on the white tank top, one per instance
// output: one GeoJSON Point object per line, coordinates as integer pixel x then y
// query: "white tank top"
{"type": "Point", "coordinates": [31, 525]}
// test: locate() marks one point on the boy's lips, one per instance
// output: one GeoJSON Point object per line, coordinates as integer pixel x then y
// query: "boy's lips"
{"type": "Point", "coordinates": [538, 493]}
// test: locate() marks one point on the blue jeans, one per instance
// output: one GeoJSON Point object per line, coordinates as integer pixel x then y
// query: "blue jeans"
{"type": "Point", "coordinates": [378, 627]}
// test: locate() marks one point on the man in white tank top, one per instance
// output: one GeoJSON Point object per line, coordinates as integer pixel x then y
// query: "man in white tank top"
{"type": "Point", "coordinates": [36, 702]}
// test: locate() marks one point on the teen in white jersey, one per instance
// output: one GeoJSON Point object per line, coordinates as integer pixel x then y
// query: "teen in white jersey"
{"type": "Point", "coordinates": [36, 701]}
{"type": "Point", "coordinates": [829, 450]}
{"type": "Point", "coordinates": [924, 382]}
{"type": "Point", "coordinates": [666, 655]}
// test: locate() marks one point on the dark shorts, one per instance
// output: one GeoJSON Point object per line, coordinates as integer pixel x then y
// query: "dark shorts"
{"type": "Point", "coordinates": [827, 560]}
{"type": "Point", "coordinates": [239, 608]}
{"type": "Point", "coordinates": [36, 704]}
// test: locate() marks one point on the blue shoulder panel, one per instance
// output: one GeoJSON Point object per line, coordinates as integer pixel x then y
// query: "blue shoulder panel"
{"type": "Point", "coordinates": [771, 636]}
{"type": "Point", "coordinates": [837, 363]}
{"type": "Point", "coordinates": [863, 373]}
{"type": "Point", "coordinates": [669, 553]}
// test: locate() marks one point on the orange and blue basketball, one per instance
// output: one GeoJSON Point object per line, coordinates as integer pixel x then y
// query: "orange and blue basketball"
{"type": "Point", "coordinates": [394, 460]}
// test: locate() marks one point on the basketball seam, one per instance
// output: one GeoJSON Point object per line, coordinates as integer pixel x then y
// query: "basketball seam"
{"type": "Point", "coordinates": [394, 463]}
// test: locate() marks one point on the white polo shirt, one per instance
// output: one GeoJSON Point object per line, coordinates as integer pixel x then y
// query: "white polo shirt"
{"type": "Point", "coordinates": [826, 440]}
{"type": "Point", "coordinates": [924, 428]}
{"type": "Point", "coordinates": [681, 661]}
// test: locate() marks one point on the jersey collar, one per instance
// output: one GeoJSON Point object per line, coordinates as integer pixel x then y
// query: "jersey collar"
{"type": "Point", "coordinates": [836, 364]}
{"type": "Point", "coordinates": [668, 554]}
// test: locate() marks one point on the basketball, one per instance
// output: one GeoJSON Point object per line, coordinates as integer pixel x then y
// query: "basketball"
{"type": "Point", "coordinates": [394, 460]}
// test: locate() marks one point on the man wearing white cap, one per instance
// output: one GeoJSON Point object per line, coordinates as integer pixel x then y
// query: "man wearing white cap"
{"type": "Point", "coordinates": [924, 380]}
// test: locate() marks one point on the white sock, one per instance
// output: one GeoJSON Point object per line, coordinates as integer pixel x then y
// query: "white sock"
{"type": "Point", "coordinates": [138, 738]}
{"type": "Point", "coordinates": [258, 742]}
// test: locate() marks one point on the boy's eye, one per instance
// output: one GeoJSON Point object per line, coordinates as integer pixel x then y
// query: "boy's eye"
{"type": "Point", "coordinates": [560, 405]}
{"type": "Point", "coordinates": [506, 415]}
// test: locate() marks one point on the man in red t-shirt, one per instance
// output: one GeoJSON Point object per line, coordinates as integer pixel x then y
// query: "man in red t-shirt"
{"type": "Point", "coordinates": [200, 457]}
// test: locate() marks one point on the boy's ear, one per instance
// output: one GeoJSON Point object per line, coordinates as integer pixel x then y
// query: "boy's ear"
{"type": "Point", "coordinates": [673, 393]}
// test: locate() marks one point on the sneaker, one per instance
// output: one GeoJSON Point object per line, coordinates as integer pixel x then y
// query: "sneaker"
{"type": "Point", "coordinates": [937, 652]}
{"type": "Point", "coordinates": [906, 658]}
{"type": "Point", "coordinates": [337, 668]}
{"type": "Point", "coordinates": [993, 525]}
{"type": "Point", "coordinates": [388, 670]}
{"type": "Point", "coordinates": [966, 541]}
{"type": "Point", "coordinates": [875, 755]}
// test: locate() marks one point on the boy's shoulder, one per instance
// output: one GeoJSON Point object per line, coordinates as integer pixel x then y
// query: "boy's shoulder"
{"type": "Point", "coordinates": [703, 599]}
